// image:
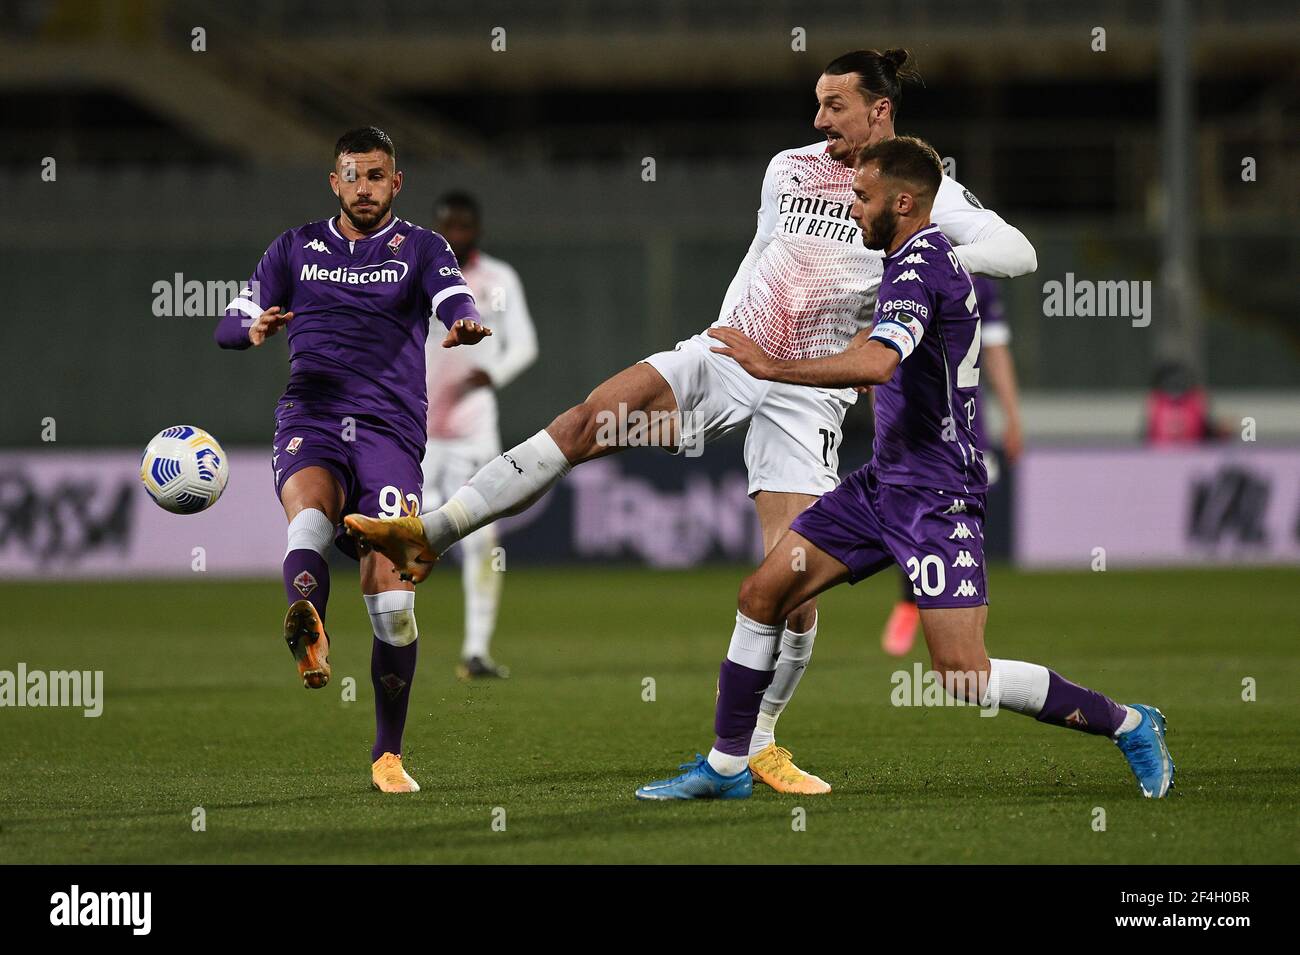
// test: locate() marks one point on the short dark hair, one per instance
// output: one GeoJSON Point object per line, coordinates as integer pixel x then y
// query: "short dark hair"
{"type": "Point", "coordinates": [365, 139]}
{"type": "Point", "coordinates": [879, 74]}
{"type": "Point", "coordinates": [459, 201]}
{"type": "Point", "coordinates": [912, 160]}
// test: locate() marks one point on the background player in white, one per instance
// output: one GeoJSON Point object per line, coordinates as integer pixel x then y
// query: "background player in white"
{"type": "Point", "coordinates": [463, 431]}
{"type": "Point", "coordinates": [805, 288]}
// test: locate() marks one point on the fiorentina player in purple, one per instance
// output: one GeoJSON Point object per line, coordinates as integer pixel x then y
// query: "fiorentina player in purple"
{"type": "Point", "coordinates": [997, 369]}
{"type": "Point", "coordinates": [918, 503]}
{"type": "Point", "coordinates": [354, 294]}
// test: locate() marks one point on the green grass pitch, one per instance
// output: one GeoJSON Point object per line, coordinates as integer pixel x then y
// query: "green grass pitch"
{"type": "Point", "coordinates": [203, 709]}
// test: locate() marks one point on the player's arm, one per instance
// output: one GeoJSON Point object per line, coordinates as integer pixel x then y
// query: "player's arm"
{"type": "Point", "coordinates": [984, 242]}
{"type": "Point", "coordinates": [766, 228]}
{"type": "Point", "coordinates": [450, 298]}
{"type": "Point", "coordinates": [518, 347]}
{"type": "Point", "coordinates": [867, 361]}
{"type": "Point", "coordinates": [258, 311]}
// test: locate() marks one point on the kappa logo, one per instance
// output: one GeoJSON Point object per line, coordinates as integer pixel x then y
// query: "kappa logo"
{"type": "Point", "coordinates": [962, 533]}
{"type": "Point", "coordinates": [293, 445]}
{"type": "Point", "coordinates": [305, 583]}
{"type": "Point", "coordinates": [914, 259]}
{"type": "Point", "coordinates": [395, 243]}
{"type": "Point", "coordinates": [956, 507]}
{"type": "Point", "coordinates": [908, 276]}
{"type": "Point", "coordinates": [922, 244]}
{"type": "Point", "coordinates": [964, 559]}
{"type": "Point", "coordinates": [316, 245]}
{"type": "Point", "coordinates": [965, 589]}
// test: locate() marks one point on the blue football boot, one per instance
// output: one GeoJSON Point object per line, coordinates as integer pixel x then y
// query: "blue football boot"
{"type": "Point", "coordinates": [700, 781]}
{"type": "Point", "coordinates": [1148, 756]}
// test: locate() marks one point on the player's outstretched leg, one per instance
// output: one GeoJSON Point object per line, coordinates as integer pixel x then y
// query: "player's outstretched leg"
{"type": "Point", "coordinates": [515, 480]}
{"type": "Point", "coordinates": [307, 494]}
{"type": "Point", "coordinates": [766, 598]}
{"type": "Point", "coordinates": [900, 629]}
{"type": "Point", "coordinates": [392, 670]}
{"type": "Point", "coordinates": [956, 640]}
{"type": "Point", "coordinates": [771, 764]}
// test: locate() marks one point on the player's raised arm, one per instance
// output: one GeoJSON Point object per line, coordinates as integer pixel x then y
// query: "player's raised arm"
{"type": "Point", "coordinates": [984, 242]}
{"type": "Point", "coordinates": [261, 307]}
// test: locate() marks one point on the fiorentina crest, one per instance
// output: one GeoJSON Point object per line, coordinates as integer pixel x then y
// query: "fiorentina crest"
{"type": "Point", "coordinates": [392, 684]}
{"type": "Point", "coordinates": [395, 243]}
{"type": "Point", "coordinates": [305, 583]}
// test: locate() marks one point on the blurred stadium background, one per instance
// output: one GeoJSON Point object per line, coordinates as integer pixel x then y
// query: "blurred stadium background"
{"type": "Point", "coordinates": [176, 164]}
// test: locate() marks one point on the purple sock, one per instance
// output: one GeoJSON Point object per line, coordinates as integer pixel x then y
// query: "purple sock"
{"type": "Point", "coordinates": [306, 574]}
{"type": "Point", "coordinates": [740, 691]}
{"type": "Point", "coordinates": [1080, 708]}
{"type": "Point", "coordinates": [391, 671]}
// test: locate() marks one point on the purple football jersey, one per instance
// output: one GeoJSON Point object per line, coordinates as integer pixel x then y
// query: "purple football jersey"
{"type": "Point", "coordinates": [927, 311]}
{"type": "Point", "coordinates": [361, 317]}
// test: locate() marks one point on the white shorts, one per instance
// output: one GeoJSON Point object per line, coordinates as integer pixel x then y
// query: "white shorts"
{"type": "Point", "coordinates": [793, 444]}
{"type": "Point", "coordinates": [450, 463]}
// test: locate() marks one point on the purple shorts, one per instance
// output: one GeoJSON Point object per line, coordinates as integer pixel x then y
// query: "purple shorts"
{"type": "Point", "coordinates": [935, 536]}
{"type": "Point", "coordinates": [379, 472]}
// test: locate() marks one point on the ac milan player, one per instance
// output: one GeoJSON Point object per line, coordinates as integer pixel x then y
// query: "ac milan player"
{"type": "Point", "coordinates": [918, 503]}
{"type": "Point", "coordinates": [463, 434]}
{"type": "Point", "coordinates": [803, 290]}
{"type": "Point", "coordinates": [354, 294]}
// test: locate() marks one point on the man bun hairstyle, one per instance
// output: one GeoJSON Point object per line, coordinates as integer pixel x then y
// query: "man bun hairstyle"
{"type": "Point", "coordinates": [879, 74]}
{"type": "Point", "coordinates": [364, 139]}
{"type": "Point", "coordinates": [909, 160]}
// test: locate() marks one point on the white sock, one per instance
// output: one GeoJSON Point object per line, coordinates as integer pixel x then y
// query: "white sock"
{"type": "Point", "coordinates": [1017, 686]}
{"type": "Point", "coordinates": [796, 650]}
{"type": "Point", "coordinates": [392, 615]}
{"type": "Point", "coordinates": [1132, 718]}
{"type": "Point", "coordinates": [482, 584]}
{"type": "Point", "coordinates": [506, 485]}
{"type": "Point", "coordinates": [753, 644]}
{"type": "Point", "coordinates": [310, 529]}
{"type": "Point", "coordinates": [725, 765]}
{"type": "Point", "coordinates": [764, 732]}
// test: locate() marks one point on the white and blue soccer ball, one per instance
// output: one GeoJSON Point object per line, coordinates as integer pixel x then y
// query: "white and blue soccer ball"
{"type": "Point", "coordinates": [184, 469]}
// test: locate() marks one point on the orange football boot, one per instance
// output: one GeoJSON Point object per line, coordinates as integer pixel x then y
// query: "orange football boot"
{"type": "Point", "coordinates": [400, 539]}
{"type": "Point", "coordinates": [305, 634]}
{"type": "Point", "coordinates": [774, 766]}
{"type": "Point", "coordinates": [388, 776]}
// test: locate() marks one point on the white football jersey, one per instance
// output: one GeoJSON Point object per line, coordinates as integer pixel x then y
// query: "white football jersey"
{"type": "Point", "coordinates": [454, 413]}
{"type": "Point", "coordinates": [807, 284]}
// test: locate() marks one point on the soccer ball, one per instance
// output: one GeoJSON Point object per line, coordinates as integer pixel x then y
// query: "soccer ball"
{"type": "Point", "coordinates": [184, 469]}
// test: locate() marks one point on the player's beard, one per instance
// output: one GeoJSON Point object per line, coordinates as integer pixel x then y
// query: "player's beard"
{"type": "Point", "coordinates": [879, 232]}
{"type": "Point", "coordinates": [366, 221]}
